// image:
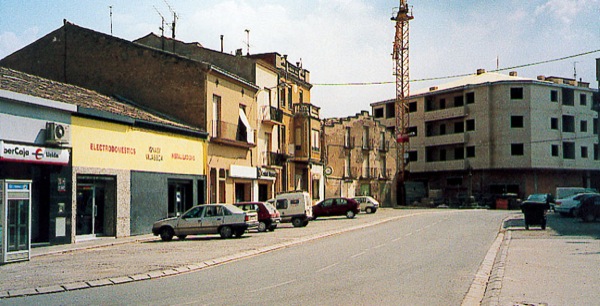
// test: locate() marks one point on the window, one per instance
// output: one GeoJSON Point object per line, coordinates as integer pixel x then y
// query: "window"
{"type": "Point", "coordinates": [442, 155]}
{"type": "Point", "coordinates": [281, 204]}
{"type": "Point", "coordinates": [516, 93]}
{"type": "Point", "coordinates": [378, 112]}
{"type": "Point", "coordinates": [554, 150]}
{"type": "Point", "coordinates": [595, 126]}
{"type": "Point", "coordinates": [315, 189]}
{"type": "Point", "coordinates": [442, 103]}
{"type": "Point", "coordinates": [568, 96]}
{"type": "Point", "coordinates": [583, 126]}
{"type": "Point", "coordinates": [300, 96]}
{"type": "Point", "coordinates": [244, 132]}
{"type": "Point", "coordinates": [390, 110]}
{"type": "Point", "coordinates": [459, 101]}
{"type": "Point", "coordinates": [470, 151]}
{"type": "Point", "coordinates": [298, 139]}
{"type": "Point", "coordinates": [413, 155]}
{"type": "Point", "coordinates": [554, 95]}
{"type": "Point", "coordinates": [282, 137]}
{"type": "Point", "coordinates": [412, 107]}
{"type": "Point", "coordinates": [554, 123]}
{"type": "Point", "coordinates": [596, 157]}
{"type": "Point", "coordinates": [459, 153]}
{"type": "Point", "coordinates": [316, 140]}
{"type": "Point", "coordinates": [582, 99]}
{"type": "Point", "coordinates": [282, 97]}
{"type": "Point", "coordinates": [584, 152]}
{"type": "Point", "coordinates": [459, 127]}
{"type": "Point", "coordinates": [568, 150]}
{"type": "Point", "coordinates": [413, 131]}
{"type": "Point", "coordinates": [568, 124]}
{"type": "Point", "coordinates": [216, 116]}
{"type": "Point", "coordinates": [289, 99]}
{"type": "Point", "coordinates": [470, 97]}
{"type": "Point", "coordinates": [517, 149]}
{"type": "Point", "coordinates": [442, 129]}
{"type": "Point", "coordinates": [516, 121]}
{"type": "Point", "coordinates": [470, 125]}
{"type": "Point", "coordinates": [429, 104]}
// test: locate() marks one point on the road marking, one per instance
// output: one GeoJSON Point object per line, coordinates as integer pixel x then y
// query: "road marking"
{"type": "Point", "coordinates": [327, 267]}
{"type": "Point", "coordinates": [359, 254]}
{"type": "Point", "coordinates": [271, 287]}
{"type": "Point", "coordinates": [379, 246]}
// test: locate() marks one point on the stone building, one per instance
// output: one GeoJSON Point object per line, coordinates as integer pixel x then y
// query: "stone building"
{"type": "Point", "coordinates": [359, 155]}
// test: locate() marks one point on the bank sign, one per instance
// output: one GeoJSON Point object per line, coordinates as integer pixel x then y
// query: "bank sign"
{"type": "Point", "coordinates": [33, 154]}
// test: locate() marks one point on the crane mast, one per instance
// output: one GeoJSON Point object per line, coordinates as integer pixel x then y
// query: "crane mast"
{"type": "Point", "coordinates": [401, 67]}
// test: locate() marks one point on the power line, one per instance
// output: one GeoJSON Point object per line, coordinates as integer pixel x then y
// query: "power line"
{"type": "Point", "coordinates": [458, 75]}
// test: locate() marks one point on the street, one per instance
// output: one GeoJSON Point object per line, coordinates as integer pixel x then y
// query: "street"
{"type": "Point", "coordinates": [429, 258]}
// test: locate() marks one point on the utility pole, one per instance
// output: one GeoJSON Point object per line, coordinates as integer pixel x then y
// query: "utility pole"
{"type": "Point", "coordinates": [401, 71]}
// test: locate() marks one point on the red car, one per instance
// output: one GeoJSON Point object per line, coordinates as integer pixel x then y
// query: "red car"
{"type": "Point", "coordinates": [268, 216]}
{"type": "Point", "coordinates": [336, 207]}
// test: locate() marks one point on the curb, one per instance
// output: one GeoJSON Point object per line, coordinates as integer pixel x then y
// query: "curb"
{"type": "Point", "coordinates": [183, 269]}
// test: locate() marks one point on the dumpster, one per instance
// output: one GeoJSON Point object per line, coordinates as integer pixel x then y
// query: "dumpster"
{"type": "Point", "coordinates": [507, 201]}
{"type": "Point", "coordinates": [535, 213]}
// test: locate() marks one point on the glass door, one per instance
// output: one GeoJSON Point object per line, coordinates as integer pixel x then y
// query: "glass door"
{"type": "Point", "coordinates": [18, 225]}
{"type": "Point", "coordinates": [90, 210]}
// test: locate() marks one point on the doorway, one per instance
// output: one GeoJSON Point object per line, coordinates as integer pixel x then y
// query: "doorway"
{"type": "Point", "coordinates": [96, 207]}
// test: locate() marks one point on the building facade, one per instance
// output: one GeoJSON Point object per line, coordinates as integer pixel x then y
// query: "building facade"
{"type": "Point", "coordinates": [359, 155]}
{"type": "Point", "coordinates": [490, 133]}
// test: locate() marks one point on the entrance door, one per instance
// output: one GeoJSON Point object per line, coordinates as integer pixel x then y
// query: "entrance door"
{"type": "Point", "coordinates": [90, 210]}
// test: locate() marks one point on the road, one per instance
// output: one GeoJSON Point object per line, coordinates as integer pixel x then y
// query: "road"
{"type": "Point", "coordinates": [427, 259]}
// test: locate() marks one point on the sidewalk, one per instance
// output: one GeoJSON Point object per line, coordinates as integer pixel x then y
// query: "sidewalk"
{"type": "Point", "coordinates": [558, 266]}
{"type": "Point", "coordinates": [100, 262]}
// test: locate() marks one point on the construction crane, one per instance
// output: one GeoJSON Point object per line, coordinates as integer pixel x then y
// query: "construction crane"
{"type": "Point", "coordinates": [400, 55]}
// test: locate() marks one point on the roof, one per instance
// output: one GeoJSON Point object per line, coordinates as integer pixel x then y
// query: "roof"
{"type": "Point", "coordinates": [474, 79]}
{"type": "Point", "coordinates": [27, 84]}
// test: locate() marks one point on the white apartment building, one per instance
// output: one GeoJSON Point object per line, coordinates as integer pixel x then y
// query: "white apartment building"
{"type": "Point", "coordinates": [492, 133]}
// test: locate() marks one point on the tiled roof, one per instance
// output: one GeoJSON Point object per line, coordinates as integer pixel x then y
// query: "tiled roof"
{"type": "Point", "coordinates": [23, 83]}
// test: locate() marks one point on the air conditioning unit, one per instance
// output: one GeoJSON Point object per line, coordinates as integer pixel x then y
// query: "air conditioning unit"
{"type": "Point", "coordinates": [58, 133]}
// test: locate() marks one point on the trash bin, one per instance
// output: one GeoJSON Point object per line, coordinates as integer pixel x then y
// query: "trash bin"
{"type": "Point", "coordinates": [535, 213]}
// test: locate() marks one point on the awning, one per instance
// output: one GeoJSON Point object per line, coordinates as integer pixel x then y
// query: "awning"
{"type": "Point", "coordinates": [249, 128]}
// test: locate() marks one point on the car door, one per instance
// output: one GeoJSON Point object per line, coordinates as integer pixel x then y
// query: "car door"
{"type": "Point", "coordinates": [326, 207]}
{"type": "Point", "coordinates": [213, 218]}
{"type": "Point", "coordinates": [190, 222]}
{"type": "Point", "coordinates": [340, 207]}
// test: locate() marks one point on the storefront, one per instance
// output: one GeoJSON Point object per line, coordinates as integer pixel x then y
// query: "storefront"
{"type": "Point", "coordinates": [128, 176]}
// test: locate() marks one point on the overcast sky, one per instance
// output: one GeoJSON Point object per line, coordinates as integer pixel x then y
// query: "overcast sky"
{"type": "Point", "coordinates": [346, 41]}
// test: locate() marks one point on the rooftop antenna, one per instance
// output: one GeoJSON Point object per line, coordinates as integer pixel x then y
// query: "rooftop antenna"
{"type": "Point", "coordinates": [247, 41]}
{"type": "Point", "coordinates": [174, 19]}
{"type": "Point", "coordinates": [575, 70]}
{"type": "Point", "coordinates": [162, 29]}
{"type": "Point", "coordinates": [111, 29]}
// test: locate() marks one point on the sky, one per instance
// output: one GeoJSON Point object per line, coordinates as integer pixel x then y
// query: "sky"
{"type": "Point", "coordinates": [346, 41]}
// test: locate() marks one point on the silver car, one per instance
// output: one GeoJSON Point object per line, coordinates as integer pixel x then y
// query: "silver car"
{"type": "Point", "coordinates": [224, 219]}
{"type": "Point", "coordinates": [367, 204]}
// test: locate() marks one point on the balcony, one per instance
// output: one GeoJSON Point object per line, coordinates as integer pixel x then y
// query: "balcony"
{"type": "Point", "coordinates": [231, 134]}
{"type": "Point", "coordinates": [305, 109]}
{"type": "Point", "coordinates": [448, 165]}
{"type": "Point", "coordinates": [448, 139]}
{"type": "Point", "coordinates": [445, 114]}
{"type": "Point", "coordinates": [277, 159]}
{"type": "Point", "coordinates": [271, 115]}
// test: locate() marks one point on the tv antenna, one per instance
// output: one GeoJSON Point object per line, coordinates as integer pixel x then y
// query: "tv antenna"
{"type": "Point", "coordinates": [110, 10]}
{"type": "Point", "coordinates": [175, 17]}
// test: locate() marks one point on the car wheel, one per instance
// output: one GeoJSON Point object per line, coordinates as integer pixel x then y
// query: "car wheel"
{"type": "Point", "coordinates": [181, 237]}
{"type": "Point", "coordinates": [272, 228]}
{"type": "Point", "coordinates": [588, 217]}
{"type": "Point", "coordinates": [166, 234]}
{"type": "Point", "coordinates": [239, 233]}
{"type": "Point", "coordinates": [369, 210]}
{"type": "Point", "coordinates": [305, 223]}
{"type": "Point", "coordinates": [350, 214]}
{"type": "Point", "coordinates": [297, 222]}
{"type": "Point", "coordinates": [262, 227]}
{"type": "Point", "coordinates": [226, 232]}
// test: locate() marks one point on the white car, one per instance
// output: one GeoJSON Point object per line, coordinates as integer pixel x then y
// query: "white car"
{"type": "Point", "coordinates": [367, 204]}
{"type": "Point", "coordinates": [224, 219]}
{"type": "Point", "coordinates": [570, 205]}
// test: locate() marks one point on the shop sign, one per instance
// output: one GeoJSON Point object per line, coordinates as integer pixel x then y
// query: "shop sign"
{"type": "Point", "coordinates": [266, 173]}
{"type": "Point", "coordinates": [242, 172]}
{"type": "Point", "coordinates": [33, 154]}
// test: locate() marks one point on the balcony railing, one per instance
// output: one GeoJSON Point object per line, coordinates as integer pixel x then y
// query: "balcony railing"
{"type": "Point", "coordinates": [229, 133]}
{"type": "Point", "coordinates": [306, 110]}
{"type": "Point", "coordinates": [277, 159]}
{"type": "Point", "coordinates": [272, 115]}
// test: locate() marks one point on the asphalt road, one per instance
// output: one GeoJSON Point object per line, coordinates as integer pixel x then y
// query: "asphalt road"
{"type": "Point", "coordinates": [427, 259]}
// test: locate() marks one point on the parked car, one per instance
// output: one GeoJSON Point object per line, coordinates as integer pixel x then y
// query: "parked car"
{"type": "Point", "coordinates": [336, 207]}
{"type": "Point", "coordinates": [294, 206]}
{"type": "Point", "coordinates": [590, 208]}
{"type": "Point", "coordinates": [570, 205]}
{"type": "Point", "coordinates": [224, 219]}
{"type": "Point", "coordinates": [367, 204]}
{"type": "Point", "coordinates": [268, 216]}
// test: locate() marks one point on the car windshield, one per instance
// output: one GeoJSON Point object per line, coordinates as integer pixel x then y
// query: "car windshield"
{"type": "Point", "coordinates": [537, 197]}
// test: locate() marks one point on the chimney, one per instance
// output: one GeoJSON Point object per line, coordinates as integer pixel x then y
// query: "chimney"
{"type": "Point", "coordinates": [432, 88]}
{"type": "Point", "coordinates": [541, 78]}
{"type": "Point", "coordinates": [512, 73]}
{"type": "Point", "coordinates": [238, 52]}
{"type": "Point", "coordinates": [221, 43]}
{"type": "Point", "coordinates": [480, 71]}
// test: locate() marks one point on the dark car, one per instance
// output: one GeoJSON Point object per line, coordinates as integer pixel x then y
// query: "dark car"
{"type": "Point", "coordinates": [268, 216]}
{"type": "Point", "coordinates": [590, 209]}
{"type": "Point", "coordinates": [336, 207]}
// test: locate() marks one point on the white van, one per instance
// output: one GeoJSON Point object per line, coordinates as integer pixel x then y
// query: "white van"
{"type": "Point", "coordinates": [295, 207]}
